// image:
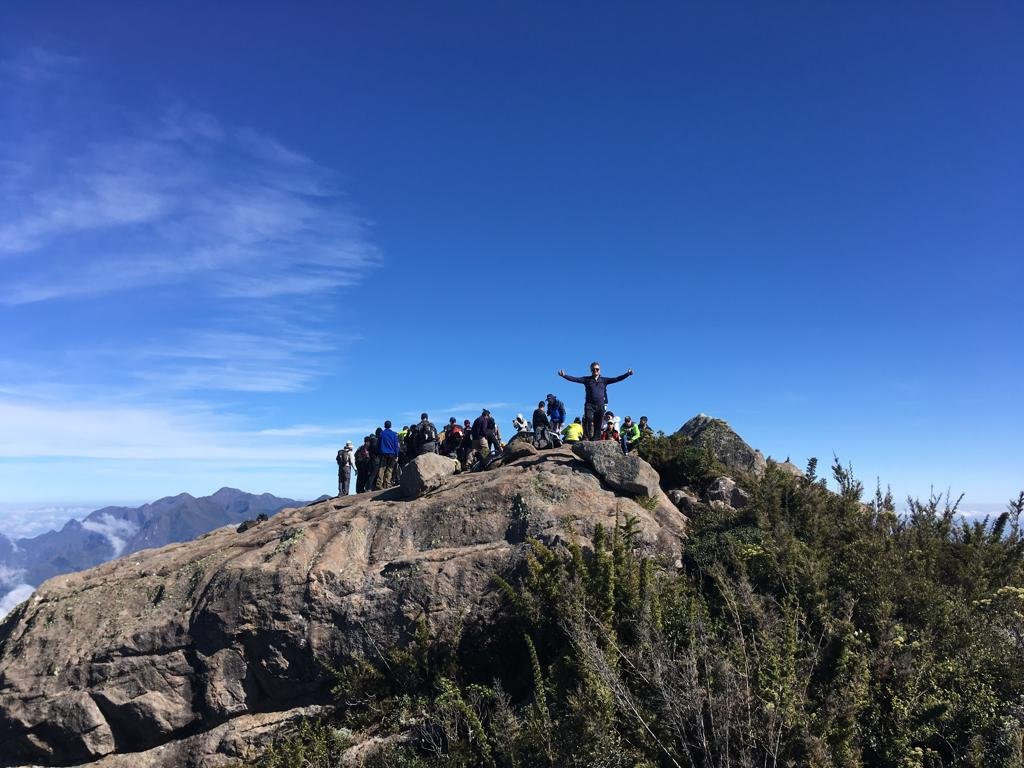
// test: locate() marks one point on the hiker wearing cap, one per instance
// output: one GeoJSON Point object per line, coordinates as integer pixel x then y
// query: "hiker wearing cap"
{"type": "Point", "coordinates": [346, 460]}
{"type": "Point", "coordinates": [596, 387]}
{"type": "Point", "coordinates": [630, 435]}
{"type": "Point", "coordinates": [387, 446]}
{"type": "Point", "coordinates": [611, 427]}
{"type": "Point", "coordinates": [612, 419]}
{"type": "Point", "coordinates": [556, 413]}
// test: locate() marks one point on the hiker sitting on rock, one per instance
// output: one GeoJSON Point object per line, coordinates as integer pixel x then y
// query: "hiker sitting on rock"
{"type": "Point", "coordinates": [611, 428]}
{"type": "Point", "coordinates": [520, 424]}
{"type": "Point", "coordinates": [611, 417]}
{"type": "Point", "coordinates": [630, 435]}
{"type": "Point", "coordinates": [574, 432]}
{"type": "Point", "coordinates": [540, 423]}
{"type": "Point", "coordinates": [596, 387]}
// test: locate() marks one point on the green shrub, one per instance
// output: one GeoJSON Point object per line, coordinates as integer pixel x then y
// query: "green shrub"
{"type": "Point", "coordinates": [807, 629]}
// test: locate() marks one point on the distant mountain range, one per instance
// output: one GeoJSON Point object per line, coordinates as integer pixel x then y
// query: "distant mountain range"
{"type": "Point", "coordinates": [115, 531]}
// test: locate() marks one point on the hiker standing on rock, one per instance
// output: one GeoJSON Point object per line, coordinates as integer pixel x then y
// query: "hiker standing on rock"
{"type": "Point", "coordinates": [388, 448]}
{"type": "Point", "coordinates": [364, 465]}
{"type": "Point", "coordinates": [425, 436]}
{"type": "Point", "coordinates": [596, 387]}
{"type": "Point", "coordinates": [346, 460]}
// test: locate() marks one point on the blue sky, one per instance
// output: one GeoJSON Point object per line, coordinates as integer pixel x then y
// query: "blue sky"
{"type": "Point", "coordinates": [234, 235]}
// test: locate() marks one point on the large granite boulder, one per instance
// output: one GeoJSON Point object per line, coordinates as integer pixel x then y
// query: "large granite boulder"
{"type": "Point", "coordinates": [426, 473]}
{"type": "Point", "coordinates": [724, 489]}
{"type": "Point", "coordinates": [627, 473]}
{"type": "Point", "coordinates": [729, 448]}
{"type": "Point", "coordinates": [182, 656]}
{"type": "Point", "coordinates": [685, 500]}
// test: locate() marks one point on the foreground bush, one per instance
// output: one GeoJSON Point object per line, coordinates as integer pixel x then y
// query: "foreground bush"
{"type": "Point", "coordinates": [808, 629]}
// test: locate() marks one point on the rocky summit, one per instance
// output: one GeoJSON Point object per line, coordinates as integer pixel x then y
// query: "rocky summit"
{"type": "Point", "coordinates": [191, 653]}
{"type": "Point", "coordinates": [715, 435]}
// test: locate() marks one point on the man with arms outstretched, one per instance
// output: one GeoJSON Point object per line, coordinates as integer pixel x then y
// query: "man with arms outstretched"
{"type": "Point", "coordinates": [596, 386]}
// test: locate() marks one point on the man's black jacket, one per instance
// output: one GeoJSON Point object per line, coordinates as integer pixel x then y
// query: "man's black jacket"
{"type": "Point", "coordinates": [597, 388]}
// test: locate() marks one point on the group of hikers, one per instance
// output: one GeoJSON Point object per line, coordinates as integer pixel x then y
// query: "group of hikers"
{"type": "Point", "coordinates": [378, 462]}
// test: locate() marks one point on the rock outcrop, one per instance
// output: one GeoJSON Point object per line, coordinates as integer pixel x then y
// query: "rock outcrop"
{"type": "Point", "coordinates": [725, 490]}
{"type": "Point", "coordinates": [728, 447]}
{"type": "Point", "coordinates": [519, 449]}
{"type": "Point", "coordinates": [626, 473]}
{"type": "Point", "coordinates": [180, 656]}
{"type": "Point", "coordinates": [685, 499]}
{"type": "Point", "coordinates": [426, 473]}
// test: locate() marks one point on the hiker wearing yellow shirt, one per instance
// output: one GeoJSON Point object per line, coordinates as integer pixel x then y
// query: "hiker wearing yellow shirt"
{"type": "Point", "coordinates": [574, 432]}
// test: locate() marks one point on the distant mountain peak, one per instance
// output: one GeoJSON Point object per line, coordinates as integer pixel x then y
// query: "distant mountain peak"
{"type": "Point", "coordinates": [115, 531]}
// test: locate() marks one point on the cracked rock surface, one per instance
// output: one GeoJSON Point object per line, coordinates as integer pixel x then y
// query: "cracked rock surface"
{"type": "Point", "coordinates": [188, 654]}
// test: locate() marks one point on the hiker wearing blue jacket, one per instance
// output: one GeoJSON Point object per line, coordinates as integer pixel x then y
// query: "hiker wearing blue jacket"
{"type": "Point", "coordinates": [556, 413]}
{"type": "Point", "coordinates": [596, 387]}
{"type": "Point", "coordinates": [388, 449]}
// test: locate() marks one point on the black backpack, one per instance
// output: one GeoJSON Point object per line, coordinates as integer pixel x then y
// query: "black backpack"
{"type": "Point", "coordinates": [427, 433]}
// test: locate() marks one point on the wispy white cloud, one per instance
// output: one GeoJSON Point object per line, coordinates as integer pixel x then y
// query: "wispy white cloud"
{"type": "Point", "coordinates": [287, 360]}
{"type": "Point", "coordinates": [10, 577]}
{"type": "Point", "coordinates": [238, 212]}
{"type": "Point", "coordinates": [180, 207]}
{"type": "Point", "coordinates": [114, 529]}
{"type": "Point", "coordinates": [459, 408]}
{"type": "Point", "coordinates": [18, 521]}
{"type": "Point", "coordinates": [13, 589]}
{"type": "Point", "coordinates": [35, 64]}
{"type": "Point", "coordinates": [232, 241]}
{"type": "Point", "coordinates": [15, 597]}
{"type": "Point", "coordinates": [314, 430]}
{"type": "Point", "coordinates": [173, 432]}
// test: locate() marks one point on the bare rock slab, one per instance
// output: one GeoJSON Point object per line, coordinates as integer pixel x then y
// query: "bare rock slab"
{"type": "Point", "coordinates": [172, 657]}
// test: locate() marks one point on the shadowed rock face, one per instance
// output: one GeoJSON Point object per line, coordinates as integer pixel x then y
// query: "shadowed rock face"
{"type": "Point", "coordinates": [181, 655]}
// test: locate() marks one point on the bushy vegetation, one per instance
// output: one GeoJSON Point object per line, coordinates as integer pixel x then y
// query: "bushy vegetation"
{"type": "Point", "coordinates": [807, 629]}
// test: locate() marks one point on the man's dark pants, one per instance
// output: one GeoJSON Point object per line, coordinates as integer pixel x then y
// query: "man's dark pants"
{"type": "Point", "coordinates": [593, 420]}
